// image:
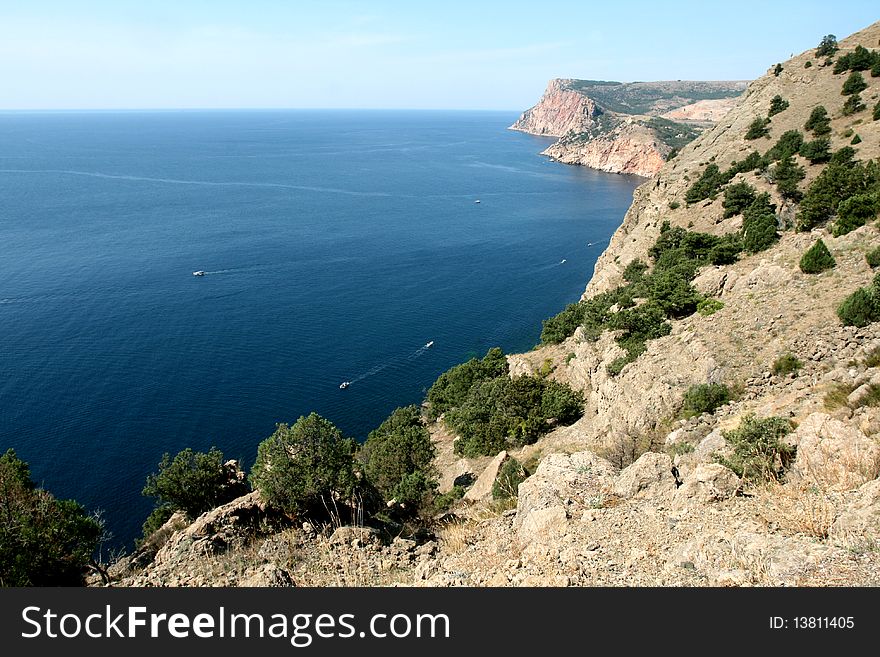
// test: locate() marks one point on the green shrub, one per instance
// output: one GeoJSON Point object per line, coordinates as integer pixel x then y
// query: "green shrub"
{"type": "Point", "coordinates": [398, 458]}
{"type": "Point", "coordinates": [873, 257]}
{"type": "Point", "coordinates": [854, 84]}
{"type": "Point", "coordinates": [704, 398]}
{"type": "Point", "coordinates": [635, 271]}
{"type": "Point", "coordinates": [860, 59]}
{"type": "Point", "coordinates": [505, 412]}
{"type": "Point", "coordinates": [854, 212]}
{"type": "Point", "coordinates": [727, 250]}
{"type": "Point", "coordinates": [777, 70]}
{"type": "Point", "coordinates": [759, 453]}
{"type": "Point", "coordinates": [827, 47]}
{"type": "Point", "coordinates": [708, 307]}
{"type": "Point", "coordinates": [305, 468]}
{"type": "Point", "coordinates": [451, 388]}
{"type": "Point", "coordinates": [758, 129]}
{"type": "Point", "coordinates": [737, 197]}
{"type": "Point", "coordinates": [158, 517]}
{"type": "Point", "coordinates": [759, 225]}
{"type": "Point", "coordinates": [787, 174]}
{"type": "Point", "coordinates": [444, 501]}
{"type": "Point", "coordinates": [786, 364]}
{"type": "Point", "coordinates": [808, 64]}
{"type": "Point", "coordinates": [194, 482]}
{"type": "Point", "coordinates": [777, 105]}
{"type": "Point", "coordinates": [44, 541]}
{"type": "Point", "coordinates": [852, 105]}
{"type": "Point", "coordinates": [856, 140]}
{"type": "Point", "coordinates": [674, 205]}
{"type": "Point", "coordinates": [788, 144]}
{"type": "Point", "coordinates": [818, 123]}
{"type": "Point", "coordinates": [876, 115]}
{"type": "Point", "coordinates": [859, 309]}
{"type": "Point", "coordinates": [510, 476]}
{"type": "Point", "coordinates": [706, 185]}
{"type": "Point", "coordinates": [817, 151]}
{"type": "Point", "coordinates": [841, 179]}
{"type": "Point", "coordinates": [817, 259]}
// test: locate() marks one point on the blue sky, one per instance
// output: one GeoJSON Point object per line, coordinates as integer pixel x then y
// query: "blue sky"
{"type": "Point", "coordinates": [385, 54]}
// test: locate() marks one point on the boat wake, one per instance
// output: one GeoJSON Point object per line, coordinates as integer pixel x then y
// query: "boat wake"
{"type": "Point", "coordinates": [396, 361]}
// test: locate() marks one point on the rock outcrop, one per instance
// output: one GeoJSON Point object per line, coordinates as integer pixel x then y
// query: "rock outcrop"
{"type": "Point", "coordinates": [624, 127]}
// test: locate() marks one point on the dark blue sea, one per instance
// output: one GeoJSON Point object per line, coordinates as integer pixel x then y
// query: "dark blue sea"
{"type": "Point", "coordinates": [336, 244]}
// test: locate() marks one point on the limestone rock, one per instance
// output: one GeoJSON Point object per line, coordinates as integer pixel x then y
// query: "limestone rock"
{"type": "Point", "coordinates": [355, 536]}
{"type": "Point", "coordinates": [650, 476]}
{"type": "Point", "coordinates": [710, 282]}
{"type": "Point", "coordinates": [709, 482]}
{"type": "Point", "coordinates": [268, 575]}
{"type": "Point", "coordinates": [714, 443]}
{"type": "Point", "coordinates": [859, 523]}
{"type": "Point", "coordinates": [482, 488]}
{"type": "Point", "coordinates": [833, 454]}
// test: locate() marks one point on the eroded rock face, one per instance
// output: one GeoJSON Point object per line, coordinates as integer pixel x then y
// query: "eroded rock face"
{"type": "Point", "coordinates": [559, 111]}
{"type": "Point", "coordinates": [630, 148]}
{"type": "Point", "coordinates": [832, 454]}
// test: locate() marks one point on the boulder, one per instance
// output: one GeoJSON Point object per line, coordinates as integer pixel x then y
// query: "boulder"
{"type": "Point", "coordinates": [355, 536]}
{"type": "Point", "coordinates": [711, 281]}
{"type": "Point", "coordinates": [649, 477]}
{"type": "Point", "coordinates": [709, 446]}
{"type": "Point", "coordinates": [482, 488]}
{"type": "Point", "coordinates": [562, 485]}
{"type": "Point", "coordinates": [709, 482]}
{"type": "Point", "coordinates": [860, 521]}
{"type": "Point", "coordinates": [833, 454]}
{"type": "Point", "coordinates": [268, 575]}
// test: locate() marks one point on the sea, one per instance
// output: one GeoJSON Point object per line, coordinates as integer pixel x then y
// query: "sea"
{"type": "Point", "coordinates": [336, 246]}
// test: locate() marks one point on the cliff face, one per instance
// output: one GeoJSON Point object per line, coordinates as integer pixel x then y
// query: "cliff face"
{"type": "Point", "coordinates": [608, 125]}
{"type": "Point", "coordinates": [559, 111]}
{"type": "Point", "coordinates": [628, 148]}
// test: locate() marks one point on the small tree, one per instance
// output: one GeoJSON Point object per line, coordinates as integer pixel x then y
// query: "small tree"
{"type": "Point", "coordinates": [854, 84]}
{"type": "Point", "coordinates": [872, 257]}
{"type": "Point", "coordinates": [876, 115]}
{"type": "Point", "coordinates": [777, 105]}
{"type": "Point", "coordinates": [817, 259]}
{"type": "Point", "coordinates": [758, 128]}
{"type": "Point", "coordinates": [305, 468]}
{"type": "Point", "coordinates": [777, 70]}
{"type": "Point", "coordinates": [759, 225]}
{"type": "Point", "coordinates": [398, 458]}
{"type": "Point", "coordinates": [854, 212]}
{"type": "Point", "coordinates": [43, 541]}
{"type": "Point", "coordinates": [817, 151]}
{"type": "Point", "coordinates": [737, 197]}
{"type": "Point", "coordinates": [787, 363]}
{"type": "Point", "coordinates": [852, 105]}
{"type": "Point", "coordinates": [827, 46]}
{"type": "Point", "coordinates": [194, 482]}
{"type": "Point", "coordinates": [787, 175]}
{"type": "Point", "coordinates": [818, 123]}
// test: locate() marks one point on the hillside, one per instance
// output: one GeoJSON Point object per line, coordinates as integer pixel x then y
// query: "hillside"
{"type": "Point", "coordinates": [625, 127]}
{"type": "Point", "coordinates": [768, 477]}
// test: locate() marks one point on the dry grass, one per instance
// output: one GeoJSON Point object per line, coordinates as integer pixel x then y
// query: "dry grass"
{"type": "Point", "coordinates": [836, 397]}
{"type": "Point", "coordinates": [798, 509]}
{"type": "Point", "coordinates": [456, 536]}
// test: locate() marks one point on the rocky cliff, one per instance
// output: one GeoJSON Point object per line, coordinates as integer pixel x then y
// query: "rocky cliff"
{"type": "Point", "coordinates": [637, 492]}
{"type": "Point", "coordinates": [624, 128]}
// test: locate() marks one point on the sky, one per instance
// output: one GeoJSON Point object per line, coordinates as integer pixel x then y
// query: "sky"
{"type": "Point", "coordinates": [450, 54]}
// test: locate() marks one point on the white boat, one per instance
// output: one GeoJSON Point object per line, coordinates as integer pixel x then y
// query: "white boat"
{"type": "Point", "coordinates": [198, 273]}
{"type": "Point", "coordinates": [345, 384]}
{"type": "Point", "coordinates": [563, 262]}
{"type": "Point", "coordinates": [429, 345]}
{"type": "Point", "coordinates": [477, 201]}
